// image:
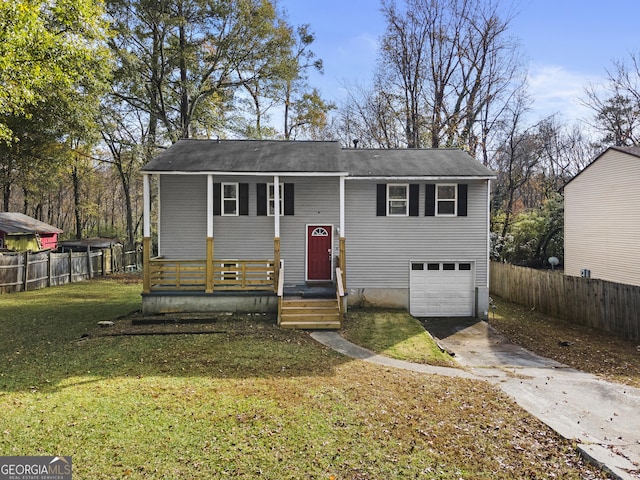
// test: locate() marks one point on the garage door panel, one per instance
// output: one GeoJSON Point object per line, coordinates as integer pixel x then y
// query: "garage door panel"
{"type": "Point", "coordinates": [441, 289]}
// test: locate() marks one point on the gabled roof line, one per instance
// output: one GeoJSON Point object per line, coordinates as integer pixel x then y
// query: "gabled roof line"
{"type": "Point", "coordinates": [633, 151]}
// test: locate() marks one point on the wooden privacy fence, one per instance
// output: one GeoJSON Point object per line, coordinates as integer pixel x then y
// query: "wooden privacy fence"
{"type": "Point", "coordinates": [609, 306]}
{"type": "Point", "coordinates": [30, 271]}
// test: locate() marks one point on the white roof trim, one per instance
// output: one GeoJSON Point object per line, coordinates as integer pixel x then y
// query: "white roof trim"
{"type": "Point", "coordinates": [249, 174]}
{"type": "Point", "coordinates": [319, 174]}
{"type": "Point", "coordinates": [422, 178]}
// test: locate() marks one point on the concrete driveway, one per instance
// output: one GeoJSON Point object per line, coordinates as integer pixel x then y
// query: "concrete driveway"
{"type": "Point", "coordinates": [603, 418]}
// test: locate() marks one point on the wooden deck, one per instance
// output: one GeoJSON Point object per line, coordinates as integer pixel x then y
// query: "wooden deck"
{"type": "Point", "coordinates": [309, 306]}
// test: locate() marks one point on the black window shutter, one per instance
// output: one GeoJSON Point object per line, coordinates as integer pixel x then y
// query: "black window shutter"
{"type": "Point", "coordinates": [462, 199]}
{"type": "Point", "coordinates": [261, 195]}
{"type": "Point", "coordinates": [381, 200]}
{"type": "Point", "coordinates": [243, 199]}
{"type": "Point", "coordinates": [414, 196]}
{"type": "Point", "coordinates": [430, 200]}
{"type": "Point", "coordinates": [289, 198]}
{"type": "Point", "coordinates": [216, 199]}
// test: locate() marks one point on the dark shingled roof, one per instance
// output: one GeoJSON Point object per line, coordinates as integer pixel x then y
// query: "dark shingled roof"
{"type": "Point", "coordinates": [247, 156]}
{"type": "Point", "coordinates": [433, 162]}
{"type": "Point", "coordinates": [274, 156]}
{"type": "Point", "coordinates": [13, 223]}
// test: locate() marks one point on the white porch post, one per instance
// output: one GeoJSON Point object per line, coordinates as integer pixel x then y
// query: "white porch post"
{"type": "Point", "coordinates": [276, 227]}
{"type": "Point", "coordinates": [342, 244]}
{"type": "Point", "coordinates": [342, 207]}
{"type": "Point", "coordinates": [276, 206]}
{"type": "Point", "coordinates": [209, 264]}
{"type": "Point", "coordinates": [146, 199]}
{"type": "Point", "coordinates": [209, 206]}
{"type": "Point", "coordinates": [146, 234]}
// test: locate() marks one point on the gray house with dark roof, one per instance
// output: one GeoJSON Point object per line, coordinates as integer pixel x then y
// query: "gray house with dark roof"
{"type": "Point", "coordinates": [307, 228]}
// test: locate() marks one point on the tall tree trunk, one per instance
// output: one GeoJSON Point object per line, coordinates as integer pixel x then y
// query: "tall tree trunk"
{"type": "Point", "coordinates": [184, 100]}
{"type": "Point", "coordinates": [6, 196]}
{"type": "Point", "coordinates": [25, 201]}
{"type": "Point", "coordinates": [287, 108]}
{"type": "Point", "coordinates": [126, 189]}
{"type": "Point", "coordinates": [76, 201]}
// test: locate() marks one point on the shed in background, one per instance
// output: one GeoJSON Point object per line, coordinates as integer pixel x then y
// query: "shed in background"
{"type": "Point", "coordinates": [20, 232]}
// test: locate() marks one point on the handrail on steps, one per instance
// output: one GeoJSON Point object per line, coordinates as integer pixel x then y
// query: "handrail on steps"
{"type": "Point", "coordinates": [280, 291]}
{"type": "Point", "coordinates": [339, 290]}
{"type": "Point", "coordinates": [281, 279]}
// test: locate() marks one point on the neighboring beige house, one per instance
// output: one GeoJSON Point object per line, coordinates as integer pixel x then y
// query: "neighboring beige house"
{"type": "Point", "coordinates": [602, 218]}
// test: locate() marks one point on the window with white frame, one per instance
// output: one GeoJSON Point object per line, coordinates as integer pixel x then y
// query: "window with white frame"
{"type": "Point", "coordinates": [271, 197]}
{"type": "Point", "coordinates": [446, 200]}
{"type": "Point", "coordinates": [397, 200]}
{"type": "Point", "coordinates": [229, 199]}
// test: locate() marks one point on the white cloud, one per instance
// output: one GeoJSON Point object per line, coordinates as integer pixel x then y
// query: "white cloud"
{"type": "Point", "coordinates": [556, 90]}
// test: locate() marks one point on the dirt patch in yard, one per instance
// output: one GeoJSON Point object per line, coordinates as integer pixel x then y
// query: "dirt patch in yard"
{"type": "Point", "coordinates": [135, 323]}
{"type": "Point", "coordinates": [580, 347]}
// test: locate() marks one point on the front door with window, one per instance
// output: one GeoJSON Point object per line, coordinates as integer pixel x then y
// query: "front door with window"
{"type": "Point", "coordinates": [319, 252]}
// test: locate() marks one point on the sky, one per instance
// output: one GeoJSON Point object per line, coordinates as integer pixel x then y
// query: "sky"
{"type": "Point", "coordinates": [566, 44]}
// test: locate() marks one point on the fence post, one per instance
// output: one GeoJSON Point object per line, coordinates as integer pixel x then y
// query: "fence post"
{"type": "Point", "coordinates": [89, 263]}
{"type": "Point", "coordinates": [26, 269]}
{"type": "Point", "coordinates": [70, 266]}
{"type": "Point", "coordinates": [49, 268]}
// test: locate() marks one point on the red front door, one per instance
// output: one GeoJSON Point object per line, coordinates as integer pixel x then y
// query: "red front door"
{"type": "Point", "coordinates": [319, 252]}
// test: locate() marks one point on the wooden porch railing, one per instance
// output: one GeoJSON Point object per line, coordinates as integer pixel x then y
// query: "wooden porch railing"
{"type": "Point", "coordinates": [228, 275]}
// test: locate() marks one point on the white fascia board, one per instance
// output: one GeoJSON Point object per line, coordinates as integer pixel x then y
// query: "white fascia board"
{"type": "Point", "coordinates": [251, 174]}
{"type": "Point", "coordinates": [429, 178]}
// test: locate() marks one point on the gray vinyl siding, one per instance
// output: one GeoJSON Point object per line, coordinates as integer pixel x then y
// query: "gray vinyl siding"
{"type": "Point", "coordinates": [183, 217]}
{"type": "Point", "coordinates": [183, 221]}
{"type": "Point", "coordinates": [380, 249]}
{"type": "Point", "coordinates": [317, 202]}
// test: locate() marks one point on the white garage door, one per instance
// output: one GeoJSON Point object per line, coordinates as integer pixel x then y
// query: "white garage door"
{"type": "Point", "coordinates": [441, 289]}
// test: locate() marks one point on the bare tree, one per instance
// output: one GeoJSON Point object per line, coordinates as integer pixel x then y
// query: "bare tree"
{"type": "Point", "coordinates": [516, 160]}
{"type": "Point", "coordinates": [452, 67]}
{"type": "Point", "coordinates": [369, 116]}
{"type": "Point", "coordinates": [616, 105]}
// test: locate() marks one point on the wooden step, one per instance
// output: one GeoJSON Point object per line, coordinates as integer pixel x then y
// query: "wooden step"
{"type": "Point", "coordinates": [337, 325]}
{"type": "Point", "coordinates": [310, 314]}
{"type": "Point", "coordinates": [309, 302]}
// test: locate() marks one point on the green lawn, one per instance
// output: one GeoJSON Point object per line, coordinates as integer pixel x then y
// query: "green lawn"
{"type": "Point", "coordinates": [250, 401]}
{"type": "Point", "coordinates": [396, 334]}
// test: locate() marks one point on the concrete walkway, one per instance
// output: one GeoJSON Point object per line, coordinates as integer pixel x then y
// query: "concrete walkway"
{"type": "Point", "coordinates": [603, 418]}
